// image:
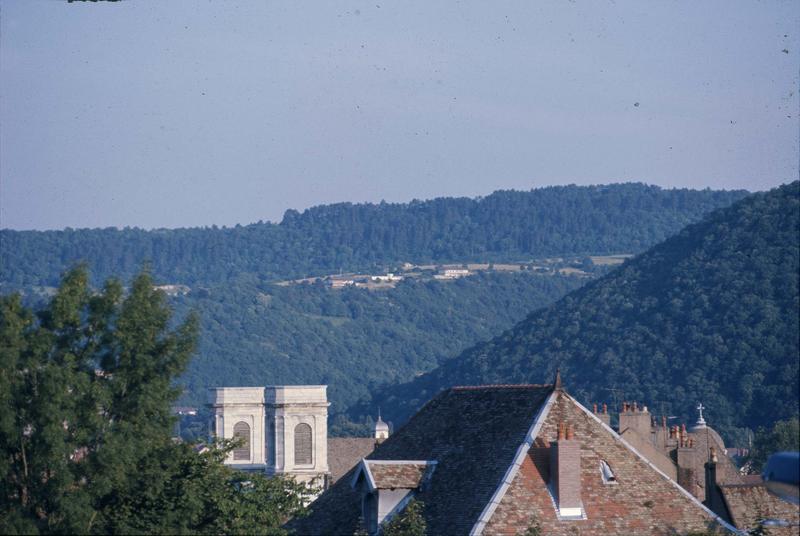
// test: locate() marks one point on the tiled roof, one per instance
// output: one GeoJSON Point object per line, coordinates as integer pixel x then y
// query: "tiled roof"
{"type": "Point", "coordinates": [472, 433]}
{"type": "Point", "coordinates": [747, 503]}
{"type": "Point", "coordinates": [388, 475]}
{"type": "Point", "coordinates": [345, 452]}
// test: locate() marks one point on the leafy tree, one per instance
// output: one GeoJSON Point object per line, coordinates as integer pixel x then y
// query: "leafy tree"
{"type": "Point", "coordinates": [784, 435]}
{"type": "Point", "coordinates": [85, 424]}
{"type": "Point", "coordinates": [409, 522]}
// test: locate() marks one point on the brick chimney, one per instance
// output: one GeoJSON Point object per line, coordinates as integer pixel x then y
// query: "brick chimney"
{"type": "Point", "coordinates": [565, 473]}
{"type": "Point", "coordinates": [603, 415]}
{"type": "Point", "coordinates": [714, 499]}
{"type": "Point", "coordinates": [685, 458]}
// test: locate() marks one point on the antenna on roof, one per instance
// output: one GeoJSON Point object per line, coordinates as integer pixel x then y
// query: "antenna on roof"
{"type": "Point", "coordinates": [614, 393]}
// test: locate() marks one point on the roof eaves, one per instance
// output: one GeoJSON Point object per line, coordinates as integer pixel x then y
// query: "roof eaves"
{"type": "Point", "coordinates": [513, 469]}
{"type": "Point", "coordinates": [630, 447]}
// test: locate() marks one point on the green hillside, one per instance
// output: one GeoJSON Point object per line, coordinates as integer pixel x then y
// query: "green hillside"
{"type": "Point", "coordinates": [353, 339]}
{"type": "Point", "coordinates": [709, 315]}
{"type": "Point", "coordinates": [504, 226]}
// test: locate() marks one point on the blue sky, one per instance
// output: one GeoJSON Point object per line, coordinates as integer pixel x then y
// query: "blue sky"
{"type": "Point", "coordinates": [174, 114]}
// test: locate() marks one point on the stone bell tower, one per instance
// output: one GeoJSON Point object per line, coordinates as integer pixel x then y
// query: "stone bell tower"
{"type": "Point", "coordinates": [297, 431]}
{"type": "Point", "coordinates": [283, 429]}
{"type": "Point", "coordinates": [239, 414]}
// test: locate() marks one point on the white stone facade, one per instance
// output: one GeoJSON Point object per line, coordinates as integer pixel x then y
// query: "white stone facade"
{"type": "Point", "coordinates": [283, 421]}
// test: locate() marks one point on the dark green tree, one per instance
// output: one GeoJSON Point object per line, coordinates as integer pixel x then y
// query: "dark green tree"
{"type": "Point", "coordinates": [782, 436]}
{"type": "Point", "coordinates": [85, 425]}
{"type": "Point", "coordinates": [410, 522]}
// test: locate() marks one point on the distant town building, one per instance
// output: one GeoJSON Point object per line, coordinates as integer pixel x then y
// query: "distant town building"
{"type": "Point", "coordinates": [184, 410]}
{"type": "Point", "coordinates": [341, 283]}
{"type": "Point", "coordinates": [452, 273]}
{"type": "Point", "coordinates": [173, 290]}
{"type": "Point", "coordinates": [388, 277]}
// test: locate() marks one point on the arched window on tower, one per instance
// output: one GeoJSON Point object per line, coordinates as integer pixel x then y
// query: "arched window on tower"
{"type": "Point", "coordinates": [241, 430]}
{"type": "Point", "coordinates": [302, 445]}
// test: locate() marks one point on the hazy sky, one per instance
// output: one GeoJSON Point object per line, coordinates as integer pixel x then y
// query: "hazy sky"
{"type": "Point", "coordinates": [167, 113]}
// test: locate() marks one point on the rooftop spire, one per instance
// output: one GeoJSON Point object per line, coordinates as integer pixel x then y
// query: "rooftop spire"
{"type": "Point", "coordinates": [557, 382]}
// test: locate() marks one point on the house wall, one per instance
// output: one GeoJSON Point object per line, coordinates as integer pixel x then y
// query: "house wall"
{"type": "Point", "coordinates": [388, 499]}
{"type": "Point", "coordinates": [642, 502]}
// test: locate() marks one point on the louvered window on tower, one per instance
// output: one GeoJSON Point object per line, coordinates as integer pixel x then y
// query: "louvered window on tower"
{"type": "Point", "coordinates": [241, 431]}
{"type": "Point", "coordinates": [302, 444]}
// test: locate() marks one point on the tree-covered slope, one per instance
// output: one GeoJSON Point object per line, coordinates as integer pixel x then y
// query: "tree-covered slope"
{"type": "Point", "coordinates": [354, 340]}
{"type": "Point", "coordinates": [709, 315]}
{"type": "Point", "coordinates": [506, 225]}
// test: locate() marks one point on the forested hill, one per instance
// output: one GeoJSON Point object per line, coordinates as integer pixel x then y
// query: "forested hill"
{"type": "Point", "coordinates": [506, 225]}
{"type": "Point", "coordinates": [709, 315]}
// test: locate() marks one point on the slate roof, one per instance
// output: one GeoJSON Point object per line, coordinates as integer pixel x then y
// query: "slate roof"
{"type": "Point", "coordinates": [345, 452]}
{"type": "Point", "coordinates": [388, 475]}
{"type": "Point", "coordinates": [473, 434]}
{"type": "Point", "coordinates": [746, 503]}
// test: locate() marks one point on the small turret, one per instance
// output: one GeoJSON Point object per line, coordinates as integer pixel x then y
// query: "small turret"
{"type": "Point", "coordinates": [381, 429]}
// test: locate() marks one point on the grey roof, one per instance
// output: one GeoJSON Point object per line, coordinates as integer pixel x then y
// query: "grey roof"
{"type": "Point", "coordinates": [345, 452]}
{"type": "Point", "coordinates": [472, 433]}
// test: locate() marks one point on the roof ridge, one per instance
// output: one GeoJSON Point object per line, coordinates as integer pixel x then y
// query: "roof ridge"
{"type": "Point", "coordinates": [500, 386]}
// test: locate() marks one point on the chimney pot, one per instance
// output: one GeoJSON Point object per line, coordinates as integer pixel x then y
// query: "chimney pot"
{"type": "Point", "coordinates": [562, 430]}
{"type": "Point", "coordinates": [570, 432]}
{"type": "Point", "coordinates": [594, 408]}
{"type": "Point", "coordinates": [605, 407]}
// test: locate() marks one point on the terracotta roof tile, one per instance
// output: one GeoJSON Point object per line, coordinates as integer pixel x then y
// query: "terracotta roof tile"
{"type": "Point", "coordinates": [397, 475]}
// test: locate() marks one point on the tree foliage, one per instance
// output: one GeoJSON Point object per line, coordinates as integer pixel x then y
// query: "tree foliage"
{"type": "Point", "coordinates": [353, 340]}
{"type": "Point", "coordinates": [784, 435]}
{"type": "Point", "coordinates": [504, 226]}
{"type": "Point", "coordinates": [708, 315]}
{"type": "Point", "coordinates": [409, 522]}
{"type": "Point", "coordinates": [85, 423]}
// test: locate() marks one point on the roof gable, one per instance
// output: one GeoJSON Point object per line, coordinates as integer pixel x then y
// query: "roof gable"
{"type": "Point", "coordinates": [641, 499]}
{"type": "Point", "coordinates": [473, 434]}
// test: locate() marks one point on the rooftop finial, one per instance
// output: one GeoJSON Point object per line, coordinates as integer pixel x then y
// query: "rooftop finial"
{"type": "Point", "coordinates": [701, 422]}
{"type": "Point", "coordinates": [381, 428]}
{"type": "Point", "coordinates": [557, 382]}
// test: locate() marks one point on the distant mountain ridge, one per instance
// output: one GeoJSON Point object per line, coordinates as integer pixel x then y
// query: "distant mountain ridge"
{"type": "Point", "coordinates": [709, 315]}
{"type": "Point", "coordinates": [506, 225]}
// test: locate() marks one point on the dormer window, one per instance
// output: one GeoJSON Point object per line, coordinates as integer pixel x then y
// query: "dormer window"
{"type": "Point", "coordinates": [607, 473]}
{"type": "Point", "coordinates": [386, 487]}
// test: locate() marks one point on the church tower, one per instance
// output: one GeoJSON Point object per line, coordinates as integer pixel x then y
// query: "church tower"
{"type": "Point", "coordinates": [239, 414]}
{"type": "Point", "coordinates": [297, 431]}
{"type": "Point", "coordinates": [283, 429]}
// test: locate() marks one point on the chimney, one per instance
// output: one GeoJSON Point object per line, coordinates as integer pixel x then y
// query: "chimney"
{"type": "Point", "coordinates": [713, 498]}
{"type": "Point", "coordinates": [565, 473]}
{"type": "Point", "coordinates": [604, 416]}
{"type": "Point", "coordinates": [686, 468]}
{"type": "Point", "coordinates": [635, 420]}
